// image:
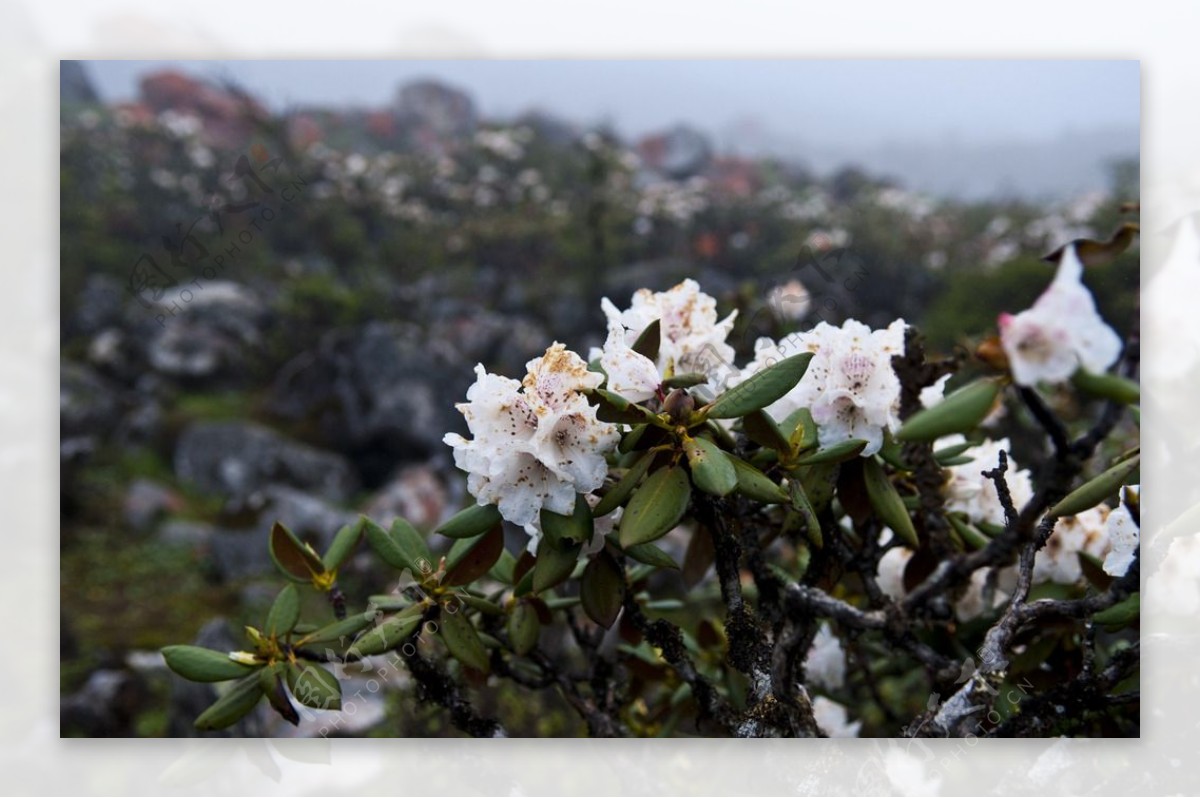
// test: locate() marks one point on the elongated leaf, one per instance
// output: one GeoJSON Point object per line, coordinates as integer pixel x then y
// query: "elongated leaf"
{"type": "Point", "coordinates": [958, 412]}
{"type": "Point", "coordinates": [476, 557]}
{"type": "Point", "coordinates": [1097, 489]}
{"type": "Point", "coordinates": [523, 628]}
{"type": "Point", "coordinates": [463, 641]}
{"type": "Point", "coordinates": [1108, 386]}
{"type": "Point", "coordinates": [620, 492]}
{"type": "Point", "coordinates": [802, 505]}
{"type": "Point", "coordinates": [284, 612]}
{"type": "Point", "coordinates": [835, 453]}
{"type": "Point", "coordinates": [577, 527]}
{"type": "Point", "coordinates": [655, 507]}
{"type": "Point", "coordinates": [313, 686]}
{"type": "Point", "coordinates": [471, 522]}
{"type": "Point", "coordinates": [886, 501]}
{"type": "Point", "coordinates": [271, 682]}
{"type": "Point", "coordinates": [616, 409]}
{"type": "Point", "coordinates": [1121, 614]}
{"type": "Point", "coordinates": [389, 633]}
{"type": "Point", "coordinates": [971, 537]}
{"type": "Point", "coordinates": [699, 557]}
{"type": "Point", "coordinates": [648, 343]}
{"type": "Point", "coordinates": [602, 589]}
{"type": "Point", "coordinates": [343, 544]}
{"type": "Point", "coordinates": [295, 560]}
{"type": "Point", "coordinates": [688, 380]}
{"type": "Point", "coordinates": [339, 631]}
{"type": "Point", "coordinates": [555, 563]}
{"type": "Point", "coordinates": [951, 452]}
{"type": "Point", "coordinates": [650, 554]}
{"type": "Point", "coordinates": [754, 484]}
{"type": "Point", "coordinates": [401, 547]}
{"type": "Point", "coordinates": [232, 706]}
{"type": "Point", "coordinates": [800, 429]}
{"type": "Point", "coordinates": [711, 470]}
{"type": "Point", "coordinates": [485, 606]}
{"type": "Point", "coordinates": [761, 389]}
{"type": "Point", "coordinates": [763, 430]}
{"type": "Point", "coordinates": [203, 665]}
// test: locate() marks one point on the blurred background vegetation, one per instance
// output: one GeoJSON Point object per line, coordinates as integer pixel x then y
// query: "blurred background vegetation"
{"type": "Point", "coordinates": [271, 315]}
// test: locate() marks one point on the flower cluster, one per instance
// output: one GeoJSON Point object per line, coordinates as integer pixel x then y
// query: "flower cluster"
{"type": "Point", "coordinates": [692, 340]}
{"type": "Point", "coordinates": [1061, 332]}
{"type": "Point", "coordinates": [536, 444]}
{"type": "Point", "coordinates": [850, 386]}
{"type": "Point", "coordinates": [968, 491]}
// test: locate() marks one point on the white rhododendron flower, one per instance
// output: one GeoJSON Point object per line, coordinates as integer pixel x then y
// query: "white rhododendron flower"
{"type": "Point", "coordinates": [535, 444]}
{"type": "Point", "coordinates": [890, 573]}
{"type": "Point", "coordinates": [968, 491]}
{"type": "Point", "coordinates": [1123, 537]}
{"type": "Point", "coordinates": [1061, 332]}
{"type": "Point", "coordinates": [825, 664]}
{"type": "Point", "coordinates": [1058, 561]}
{"type": "Point", "coordinates": [691, 338]}
{"type": "Point", "coordinates": [832, 720]}
{"type": "Point", "coordinates": [974, 601]}
{"type": "Point", "coordinates": [850, 386]}
{"type": "Point", "coordinates": [934, 394]}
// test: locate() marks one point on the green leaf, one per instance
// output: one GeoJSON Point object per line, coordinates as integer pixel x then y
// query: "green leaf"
{"type": "Point", "coordinates": [555, 562]}
{"type": "Point", "coordinates": [754, 484]}
{"type": "Point", "coordinates": [802, 505]}
{"type": "Point", "coordinates": [203, 664]}
{"type": "Point", "coordinates": [619, 493]}
{"type": "Point", "coordinates": [343, 544]}
{"type": "Point", "coordinates": [602, 589]}
{"type": "Point", "coordinates": [402, 547]}
{"type": "Point", "coordinates": [886, 501]}
{"type": "Point", "coordinates": [656, 507]}
{"type": "Point", "coordinates": [837, 453]}
{"type": "Point", "coordinates": [800, 429]}
{"type": "Point", "coordinates": [284, 613]}
{"type": "Point", "coordinates": [951, 452]}
{"type": "Point", "coordinates": [577, 527]}
{"type": "Point", "coordinates": [761, 389]}
{"type": "Point", "coordinates": [485, 606]}
{"type": "Point", "coordinates": [297, 561]}
{"type": "Point", "coordinates": [471, 522]}
{"type": "Point", "coordinates": [648, 343]}
{"type": "Point", "coordinates": [474, 557]}
{"type": "Point", "coordinates": [688, 380]}
{"type": "Point", "coordinates": [1108, 386]}
{"type": "Point", "coordinates": [232, 706]}
{"type": "Point", "coordinates": [340, 630]}
{"type": "Point", "coordinates": [313, 686]}
{"type": "Point", "coordinates": [762, 429]}
{"type": "Point", "coordinates": [616, 409]}
{"type": "Point", "coordinates": [1121, 614]}
{"type": "Point", "coordinates": [958, 412]}
{"type": "Point", "coordinates": [389, 633]}
{"type": "Point", "coordinates": [270, 681]}
{"type": "Point", "coordinates": [523, 628]}
{"type": "Point", "coordinates": [711, 470]}
{"type": "Point", "coordinates": [1097, 489]}
{"type": "Point", "coordinates": [971, 537]}
{"type": "Point", "coordinates": [650, 554]}
{"type": "Point", "coordinates": [699, 557]}
{"type": "Point", "coordinates": [463, 641]}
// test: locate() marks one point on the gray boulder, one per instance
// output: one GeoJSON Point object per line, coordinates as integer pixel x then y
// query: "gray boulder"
{"type": "Point", "coordinates": [237, 458]}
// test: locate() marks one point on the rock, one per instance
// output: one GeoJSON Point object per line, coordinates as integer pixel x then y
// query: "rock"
{"type": "Point", "coordinates": [237, 458]}
{"type": "Point", "coordinates": [195, 534]}
{"type": "Point", "coordinates": [415, 494]}
{"type": "Point", "coordinates": [435, 113]}
{"type": "Point", "coordinates": [99, 304]}
{"type": "Point", "coordinates": [238, 554]}
{"type": "Point", "coordinates": [188, 699]}
{"type": "Point", "coordinates": [146, 501]}
{"type": "Point", "coordinates": [209, 336]}
{"type": "Point", "coordinates": [678, 153]}
{"type": "Point", "coordinates": [385, 392]}
{"type": "Point", "coordinates": [88, 407]}
{"type": "Point", "coordinates": [106, 705]}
